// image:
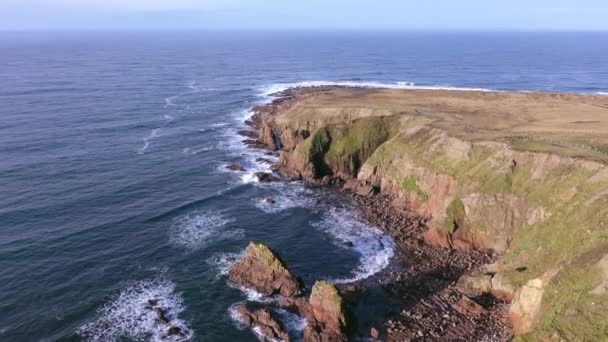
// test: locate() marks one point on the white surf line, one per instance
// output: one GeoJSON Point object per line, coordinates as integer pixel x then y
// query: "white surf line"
{"type": "Point", "coordinates": [129, 314]}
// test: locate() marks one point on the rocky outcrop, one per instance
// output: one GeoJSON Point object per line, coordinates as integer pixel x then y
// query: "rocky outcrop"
{"type": "Point", "coordinates": [327, 308]}
{"type": "Point", "coordinates": [526, 305]}
{"type": "Point", "coordinates": [262, 270]}
{"type": "Point", "coordinates": [264, 321]}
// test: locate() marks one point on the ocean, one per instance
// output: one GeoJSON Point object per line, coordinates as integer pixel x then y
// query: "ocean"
{"type": "Point", "coordinates": [114, 147]}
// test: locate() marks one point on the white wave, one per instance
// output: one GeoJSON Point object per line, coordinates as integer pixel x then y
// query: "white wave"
{"type": "Point", "coordinates": [291, 322]}
{"type": "Point", "coordinates": [278, 87]}
{"type": "Point", "coordinates": [375, 248]}
{"type": "Point", "coordinates": [223, 262]}
{"type": "Point", "coordinates": [196, 230]}
{"type": "Point", "coordinates": [191, 151]}
{"type": "Point", "coordinates": [286, 196]}
{"type": "Point", "coordinates": [126, 314]}
{"type": "Point", "coordinates": [602, 93]}
{"type": "Point", "coordinates": [168, 117]}
{"type": "Point", "coordinates": [152, 135]}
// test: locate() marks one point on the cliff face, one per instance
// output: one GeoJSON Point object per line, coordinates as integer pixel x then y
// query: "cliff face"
{"type": "Point", "coordinates": [543, 211]}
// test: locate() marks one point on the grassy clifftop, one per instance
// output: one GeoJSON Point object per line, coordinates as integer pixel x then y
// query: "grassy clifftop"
{"type": "Point", "coordinates": [520, 173]}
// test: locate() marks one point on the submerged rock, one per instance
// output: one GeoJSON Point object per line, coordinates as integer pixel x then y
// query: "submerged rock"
{"type": "Point", "coordinates": [235, 167]}
{"type": "Point", "coordinates": [265, 177]}
{"type": "Point", "coordinates": [263, 319]}
{"type": "Point", "coordinates": [160, 314]}
{"type": "Point", "coordinates": [262, 270]}
{"type": "Point", "coordinates": [175, 331]}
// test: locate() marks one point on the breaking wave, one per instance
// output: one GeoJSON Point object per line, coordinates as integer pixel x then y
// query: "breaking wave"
{"type": "Point", "coordinates": [375, 248]}
{"type": "Point", "coordinates": [196, 230]}
{"type": "Point", "coordinates": [126, 315]}
{"type": "Point", "coordinates": [277, 87]}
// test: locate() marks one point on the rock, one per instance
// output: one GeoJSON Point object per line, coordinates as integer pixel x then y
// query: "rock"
{"type": "Point", "coordinates": [329, 313]}
{"type": "Point", "coordinates": [262, 270]}
{"type": "Point", "coordinates": [269, 200]}
{"type": "Point", "coordinates": [268, 138]}
{"type": "Point", "coordinates": [151, 304]}
{"type": "Point", "coordinates": [175, 331]}
{"type": "Point", "coordinates": [468, 307]}
{"type": "Point", "coordinates": [348, 244]}
{"type": "Point", "coordinates": [526, 305]}
{"type": "Point", "coordinates": [263, 319]}
{"type": "Point", "coordinates": [235, 167]}
{"type": "Point", "coordinates": [161, 315]}
{"type": "Point", "coordinates": [264, 161]}
{"type": "Point", "coordinates": [248, 134]}
{"type": "Point", "coordinates": [265, 177]}
{"type": "Point", "coordinates": [476, 285]}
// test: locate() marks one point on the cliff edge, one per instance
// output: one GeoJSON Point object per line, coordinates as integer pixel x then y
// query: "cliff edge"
{"type": "Point", "coordinates": [521, 174]}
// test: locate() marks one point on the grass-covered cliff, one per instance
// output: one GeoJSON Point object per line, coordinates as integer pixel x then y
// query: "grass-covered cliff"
{"type": "Point", "coordinates": [521, 174]}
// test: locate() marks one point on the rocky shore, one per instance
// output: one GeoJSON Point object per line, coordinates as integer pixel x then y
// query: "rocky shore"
{"type": "Point", "coordinates": [497, 202]}
{"type": "Point", "coordinates": [422, 290]}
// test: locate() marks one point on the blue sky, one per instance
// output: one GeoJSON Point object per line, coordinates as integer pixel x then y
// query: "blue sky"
{"type": "Point", "coordinates": [305, 14]}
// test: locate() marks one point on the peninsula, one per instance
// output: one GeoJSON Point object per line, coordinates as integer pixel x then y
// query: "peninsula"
{"type": "Point", "coordinates": [519, 176]}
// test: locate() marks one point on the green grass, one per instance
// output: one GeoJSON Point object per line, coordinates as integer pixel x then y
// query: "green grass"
{"type": "Point", "coordinates": [410, 185]}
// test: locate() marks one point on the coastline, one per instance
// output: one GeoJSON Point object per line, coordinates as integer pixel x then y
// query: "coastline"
{"type": "Point", "coordinates": [420, 283]}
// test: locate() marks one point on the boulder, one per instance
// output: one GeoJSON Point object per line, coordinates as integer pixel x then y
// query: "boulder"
{"type": "Point", "coordinates": [263, 319]}
{"type": "Point", "coordinates": [175, 331]}
{"type": "Point", "coordinates": [235, 167]}
{"type": "Point", "coordinates": [526, 305]}
{"type": "Point", "coordinates": [269, 200]}
{"type": "Point", "coordinates": [265, 177]}
{"type": "Point", "coordinates": [262, 270]}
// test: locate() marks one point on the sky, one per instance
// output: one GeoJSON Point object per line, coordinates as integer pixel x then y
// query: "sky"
{"type": "Point", "coordinates": [304, 14]}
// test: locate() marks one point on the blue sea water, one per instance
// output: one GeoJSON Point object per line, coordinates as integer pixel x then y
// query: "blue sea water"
{"type": "Point", "coordinates": [113, 147]}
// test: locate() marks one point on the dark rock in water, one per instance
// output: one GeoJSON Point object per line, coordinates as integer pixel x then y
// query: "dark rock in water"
{"type": "Point", "coordinates": [269, 200]}
{"type": "Point", "coordinates": [175, 331]}
{"type": "Point", "coordinates": [265, 177]}
{"type": "Point", "coordinates": [269, 327]}
{"type": "Point", "coordinates": [253, 143]}
{"type": "Point", "coordinates": [161, 315]}
{"type": "Point", "coordinates": [248, 134]}
{"type": "Point", "coordinates": [235, 167]}
{"type": "Point", "coordinates": [262, 270]}
{"type": "Point", "coordinates": [151, 304]}
{"type": "Point", "coordinates": [348, 244]}
{"type": "Point", "coordinates": [249, 123]}
{"type": "Point", "coordinates": [264, 161]}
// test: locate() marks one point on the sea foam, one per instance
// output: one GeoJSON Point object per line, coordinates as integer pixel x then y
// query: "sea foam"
{"type": "Point", "coordinates": [126, 314]}
{"type": "Point", "coordinates": [375, 248]}
{"type": "Point", "coordinates": [278, 87]}
{"type": "Point", "coordinates": [197, 229]}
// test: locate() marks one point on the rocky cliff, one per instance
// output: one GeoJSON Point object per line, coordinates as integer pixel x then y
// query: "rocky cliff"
{"type": "Point", "coordinates": [520, 174]}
